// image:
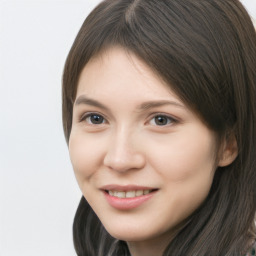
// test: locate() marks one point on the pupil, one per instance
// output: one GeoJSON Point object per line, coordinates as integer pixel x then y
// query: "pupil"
{"type": "Point", "coordinates": [161, 120]}
{"type": "Point", "coordinates": [95, 119]}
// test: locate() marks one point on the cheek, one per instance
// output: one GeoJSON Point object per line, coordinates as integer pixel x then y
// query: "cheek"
{"type": "Point", "coordinates": [83, 156]}
{"type": "Point", "coordinates": [184, 157]}
{"type": "Point", "coordinates": [186, 166]}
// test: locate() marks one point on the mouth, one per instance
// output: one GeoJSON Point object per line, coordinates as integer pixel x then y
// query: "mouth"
{"type": "Point", "coordinates": [129, 194]}
{"type": "Point", "coordinates": [128, 197]}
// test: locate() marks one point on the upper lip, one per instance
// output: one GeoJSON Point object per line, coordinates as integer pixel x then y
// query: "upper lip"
{"type": "Point", "coordinates": [115, 187]}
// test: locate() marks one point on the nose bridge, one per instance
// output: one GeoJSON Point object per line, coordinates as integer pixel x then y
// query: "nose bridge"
{"type": "Point", "coordinates": [123, 152]}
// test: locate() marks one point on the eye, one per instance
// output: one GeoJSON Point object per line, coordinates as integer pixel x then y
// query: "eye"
{"type": "Point", "coordinates": [93, 118]}
{"type": "Point", "coordinates": [161, 120]}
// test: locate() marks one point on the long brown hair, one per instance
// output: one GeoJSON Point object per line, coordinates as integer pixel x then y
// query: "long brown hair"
{"type": "Point", "coordinates": [206, 51]}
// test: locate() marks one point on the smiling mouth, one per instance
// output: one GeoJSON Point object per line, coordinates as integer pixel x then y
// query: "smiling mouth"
{"type": "Point", "coordinates": [129, 194]}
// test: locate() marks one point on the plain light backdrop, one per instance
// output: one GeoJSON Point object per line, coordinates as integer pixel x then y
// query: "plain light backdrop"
{"type": "Point", "coordinates": [38, 191]}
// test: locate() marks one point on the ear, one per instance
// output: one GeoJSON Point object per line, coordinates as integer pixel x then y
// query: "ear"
{"type": "Point", "coordinates": [229, 151]}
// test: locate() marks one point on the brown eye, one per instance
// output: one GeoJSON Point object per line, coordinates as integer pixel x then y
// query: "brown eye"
{"type": "Point", "coordinates": [161, 120]}
{"type": "Point", "coordinates": [94, 119]}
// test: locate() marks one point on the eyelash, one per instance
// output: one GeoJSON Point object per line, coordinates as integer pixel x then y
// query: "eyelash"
{"type": "Point", "coordinates": [169, 119]}
{"type": "Point", "coordinates": [89, 115]}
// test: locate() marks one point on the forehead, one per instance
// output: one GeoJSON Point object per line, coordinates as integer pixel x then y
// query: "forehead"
{"type": "Point", "coordinates": [117, 69]}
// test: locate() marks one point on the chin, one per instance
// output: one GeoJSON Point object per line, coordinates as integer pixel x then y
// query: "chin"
{"type": "Point", "coordinates": [130, 234]}
{"type": "Point", "coordinates": [126, 235]}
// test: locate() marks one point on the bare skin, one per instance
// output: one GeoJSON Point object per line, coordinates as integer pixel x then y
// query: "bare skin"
{"type": "Point", "coordinates": [131, 133]}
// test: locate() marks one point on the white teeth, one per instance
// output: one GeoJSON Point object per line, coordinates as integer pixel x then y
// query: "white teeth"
{"type": "Point", "coordinates": [119, 194]}
{"type": "Point", "coordinates": [139, 193]}
{"type": "Point", "coordinates": [145, 192]}
{"type": "Point", "coordinates": [129, 194]}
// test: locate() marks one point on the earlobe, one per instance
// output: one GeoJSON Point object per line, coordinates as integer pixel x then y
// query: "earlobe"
{"type": "Point", "coordinates": [229, 152]}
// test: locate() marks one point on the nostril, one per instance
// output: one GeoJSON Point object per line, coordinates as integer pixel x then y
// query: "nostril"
{"type": "Point", "coordinates": [123, 161]}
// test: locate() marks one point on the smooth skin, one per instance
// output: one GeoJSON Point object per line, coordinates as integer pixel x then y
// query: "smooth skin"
{"type": "Point", "coordinates": [129, 128]}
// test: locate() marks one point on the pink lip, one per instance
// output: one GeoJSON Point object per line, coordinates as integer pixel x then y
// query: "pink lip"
{"type": "Point", "coordinates": [126, 203]}
{"type": "Point", "coordinates": [115, 187]}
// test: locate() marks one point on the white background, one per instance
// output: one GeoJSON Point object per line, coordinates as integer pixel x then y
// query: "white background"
{"type": "Point", "coordinates": [38, 191]}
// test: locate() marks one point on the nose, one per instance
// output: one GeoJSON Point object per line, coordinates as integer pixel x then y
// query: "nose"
{"type": "Point", "coordinates": [123, 153]}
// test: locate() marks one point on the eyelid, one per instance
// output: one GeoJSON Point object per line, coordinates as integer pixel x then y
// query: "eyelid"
{"type": "Point", "coordinates": [173, 120]}
{"type": "Point", "coordinates": [85, 115]}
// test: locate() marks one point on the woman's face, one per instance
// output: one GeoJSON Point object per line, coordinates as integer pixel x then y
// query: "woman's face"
{"type": "Point", "coordinates": [143, 160]}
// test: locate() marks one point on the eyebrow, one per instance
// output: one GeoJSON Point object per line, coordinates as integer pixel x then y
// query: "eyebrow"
{"type": "Point", "coordinates": [152, 104]}
{"type": "Point", "coordinates": [87, 101]}
{"type": "Point", "coordinates": [144, 106]}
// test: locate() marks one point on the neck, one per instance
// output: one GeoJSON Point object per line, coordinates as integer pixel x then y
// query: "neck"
{"type": "Point", "coordinates": [145, 250]}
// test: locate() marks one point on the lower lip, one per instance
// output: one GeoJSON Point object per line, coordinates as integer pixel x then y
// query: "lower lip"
{"type": "Point", "coordinates": [127, 203]}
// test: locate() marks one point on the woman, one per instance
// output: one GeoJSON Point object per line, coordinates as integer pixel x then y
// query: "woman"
{"type": "Point", "coordinates": [159, 110]}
